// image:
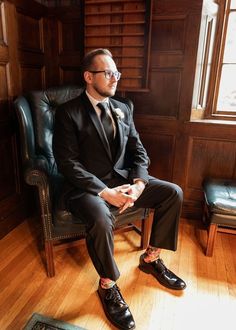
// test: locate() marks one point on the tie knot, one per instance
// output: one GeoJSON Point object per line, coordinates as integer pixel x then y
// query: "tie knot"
{"type": "Point", "coordinates": [103, 106]}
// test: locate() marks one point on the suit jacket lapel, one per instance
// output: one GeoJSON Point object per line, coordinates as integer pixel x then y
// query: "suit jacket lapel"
{"type": "Point", "coordinates": [96, 122]}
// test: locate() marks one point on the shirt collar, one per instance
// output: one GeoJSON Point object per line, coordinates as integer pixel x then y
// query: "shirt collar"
{"type": "Point", "coordinates": [94, 101]}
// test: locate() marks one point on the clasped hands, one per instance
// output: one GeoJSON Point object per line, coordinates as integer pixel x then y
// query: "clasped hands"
{"type": "Point", "coordinates": [123, 196]}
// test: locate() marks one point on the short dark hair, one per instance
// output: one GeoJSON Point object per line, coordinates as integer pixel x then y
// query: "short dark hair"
{"type": "Point", "coordinates": [89, 58]}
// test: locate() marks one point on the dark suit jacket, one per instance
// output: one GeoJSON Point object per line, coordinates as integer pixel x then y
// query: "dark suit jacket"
{"type": "Point", "coordinates": [82, 152]}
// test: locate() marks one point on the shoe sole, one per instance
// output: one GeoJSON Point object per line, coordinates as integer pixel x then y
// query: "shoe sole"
{"type": "Point", "coordinates": [145, 270]}
{"type": "Point", "coordinates": [109, 318]}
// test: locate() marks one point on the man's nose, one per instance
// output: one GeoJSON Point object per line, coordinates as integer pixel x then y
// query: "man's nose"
{"type": "Point", "coordinates": [114, 78]}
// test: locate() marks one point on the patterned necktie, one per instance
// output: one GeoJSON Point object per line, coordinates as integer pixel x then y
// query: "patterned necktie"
{"type": "Point", "coordinates": [106, 121]}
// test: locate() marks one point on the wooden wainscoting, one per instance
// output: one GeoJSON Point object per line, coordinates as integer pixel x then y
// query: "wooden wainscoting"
{"type": "Point", "coordinates": [39, 47]}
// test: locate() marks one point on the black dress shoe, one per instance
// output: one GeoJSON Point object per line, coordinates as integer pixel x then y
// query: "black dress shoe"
{"type": "Point", "coordinates": [115, 308]}
{"type": "Point", "coordinates": [165, 276]}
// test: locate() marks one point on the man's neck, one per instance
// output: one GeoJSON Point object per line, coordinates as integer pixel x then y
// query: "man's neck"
{"type": "Point", "coordinates": [94, 99]}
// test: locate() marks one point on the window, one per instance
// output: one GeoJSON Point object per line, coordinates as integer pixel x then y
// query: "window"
{"type": "Point", "coordinates": [215, 82]}
{"type": "Point", "coordinates": [226, 101]}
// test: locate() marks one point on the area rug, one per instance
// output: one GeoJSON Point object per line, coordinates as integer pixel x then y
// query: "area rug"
{"type": "Point", "coordinates": [41, 322]}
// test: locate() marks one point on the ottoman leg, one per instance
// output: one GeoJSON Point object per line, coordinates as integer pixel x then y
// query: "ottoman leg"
{"type": "Point", "coordinates": [211, 239]}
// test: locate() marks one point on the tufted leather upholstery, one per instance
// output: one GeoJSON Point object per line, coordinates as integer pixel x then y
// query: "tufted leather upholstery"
{"type": "Point", "coordinates": [220, 196]}
{"type": "Point", "coordinates": [220, 208]}
{"type": "Point", "coordinates": [35, 113]}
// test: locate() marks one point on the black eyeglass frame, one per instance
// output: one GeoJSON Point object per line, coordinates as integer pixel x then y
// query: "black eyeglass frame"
{"type": "Point", "coordinates": [109, 74]}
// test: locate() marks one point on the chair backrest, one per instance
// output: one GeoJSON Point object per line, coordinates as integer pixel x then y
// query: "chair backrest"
{"type": "Point", "coordinates": [36, 112]}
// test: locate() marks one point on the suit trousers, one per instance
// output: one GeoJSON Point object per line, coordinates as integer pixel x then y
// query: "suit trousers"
{"type": "Point", "coordinates": [162, 196]}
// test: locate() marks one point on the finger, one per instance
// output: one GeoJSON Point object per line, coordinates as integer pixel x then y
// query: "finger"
{"type": "Point", "coordinates": [130, 198]}
{"type": "Point", "coordinates": [122, 188]}
{"type": "Point", "coordinates": [124, 207]}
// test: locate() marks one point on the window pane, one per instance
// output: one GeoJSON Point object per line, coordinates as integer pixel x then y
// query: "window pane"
{"type": "Point", "coordinates": [233, 4]}
{"type": "Point", "coordinates": [230, 45]}
{"type": "Point", "coordinates": [227, 92]}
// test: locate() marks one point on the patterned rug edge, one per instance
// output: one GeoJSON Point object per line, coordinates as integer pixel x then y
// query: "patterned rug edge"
{"type": "Point", "coordinates": [38, 321]}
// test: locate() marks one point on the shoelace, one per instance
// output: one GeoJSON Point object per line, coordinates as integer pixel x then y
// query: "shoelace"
{"type": "Point", "coordinates": [114, 294]}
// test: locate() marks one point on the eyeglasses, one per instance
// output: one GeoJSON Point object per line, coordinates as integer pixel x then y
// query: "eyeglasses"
{"type": "Point", "coordinates": [109, 74]}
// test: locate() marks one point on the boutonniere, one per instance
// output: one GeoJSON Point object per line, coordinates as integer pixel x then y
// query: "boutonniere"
{"type": "Point", "coordinates": [119, 113]}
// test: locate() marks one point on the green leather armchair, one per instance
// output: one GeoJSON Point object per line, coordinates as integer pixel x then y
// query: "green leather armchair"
{"type": "Point", "coordinates": [219, 209]}
{"type": "Point", "coordinates": [35, 113]}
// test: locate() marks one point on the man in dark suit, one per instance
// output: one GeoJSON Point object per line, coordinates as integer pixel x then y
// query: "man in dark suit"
{"type": "Point", "coordinates": [105, 165]}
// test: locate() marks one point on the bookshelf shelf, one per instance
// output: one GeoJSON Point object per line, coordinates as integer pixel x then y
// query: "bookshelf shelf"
{"type": "Point", "coordinates": [123, 27]}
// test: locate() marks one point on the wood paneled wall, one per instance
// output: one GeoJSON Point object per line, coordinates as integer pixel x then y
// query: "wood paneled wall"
{"type": "Point", "coordinates": [10, 197]}
{"type": "Point", "coordinates": [50, 45]}
{"type": "Point", "coordinates": [69, 51]}
{"type": "Point", "coordinates": [181, 151]}
{"type": "Point", "coordinates": [39, 47]}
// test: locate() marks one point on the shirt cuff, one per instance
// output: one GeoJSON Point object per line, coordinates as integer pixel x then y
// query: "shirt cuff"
{"type": "Point", "coordinates": [101, 191]}
{"type": "Point", "coordinates": [138, 179]}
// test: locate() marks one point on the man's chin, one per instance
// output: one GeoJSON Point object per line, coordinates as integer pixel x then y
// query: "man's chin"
{"type": "Point", "coordinates": [111, 93]}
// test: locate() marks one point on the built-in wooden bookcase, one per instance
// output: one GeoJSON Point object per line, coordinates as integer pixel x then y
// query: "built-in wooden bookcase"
{"type": "Point", "coordinates": [124, 28]}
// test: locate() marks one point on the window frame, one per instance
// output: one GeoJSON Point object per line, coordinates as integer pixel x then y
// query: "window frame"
{"type": "Point", "coordinates": [211, 111]}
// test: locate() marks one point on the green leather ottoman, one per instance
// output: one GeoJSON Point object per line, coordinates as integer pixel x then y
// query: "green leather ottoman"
{"type": "Point", "coordinates": [220, 209]}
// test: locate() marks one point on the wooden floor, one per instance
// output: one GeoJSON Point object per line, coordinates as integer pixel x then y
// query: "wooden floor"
{"type": "Point", "coordinates": [209, 302]}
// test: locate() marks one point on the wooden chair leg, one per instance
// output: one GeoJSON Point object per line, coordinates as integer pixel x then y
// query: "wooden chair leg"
{"type": "Point", "coordinates": [49, 258]}
{"type": "Point", "coordinates": [211, 239]}
{"type": "Point", "coordinates": [145, 231]}
{"type": "Point", "coordinates": [205, 214]}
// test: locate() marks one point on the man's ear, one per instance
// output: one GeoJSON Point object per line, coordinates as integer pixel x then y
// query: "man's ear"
{"type": "Point", "coordinates": [88, 77]}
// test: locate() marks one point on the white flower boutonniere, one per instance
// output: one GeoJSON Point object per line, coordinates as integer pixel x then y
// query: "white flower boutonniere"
{"type": "Point", "coordinates": [119, 113]}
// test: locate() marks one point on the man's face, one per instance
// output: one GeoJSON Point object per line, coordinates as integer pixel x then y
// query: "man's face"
{"type": "Point", "coordinates": [97, 84]}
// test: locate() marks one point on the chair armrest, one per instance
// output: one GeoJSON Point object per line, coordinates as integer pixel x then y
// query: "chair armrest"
{"type": "Point", "coordinates": [36, 171]}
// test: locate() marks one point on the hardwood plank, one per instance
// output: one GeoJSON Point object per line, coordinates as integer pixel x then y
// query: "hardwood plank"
{"type": "Point", "coordinates": [208, 301]}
